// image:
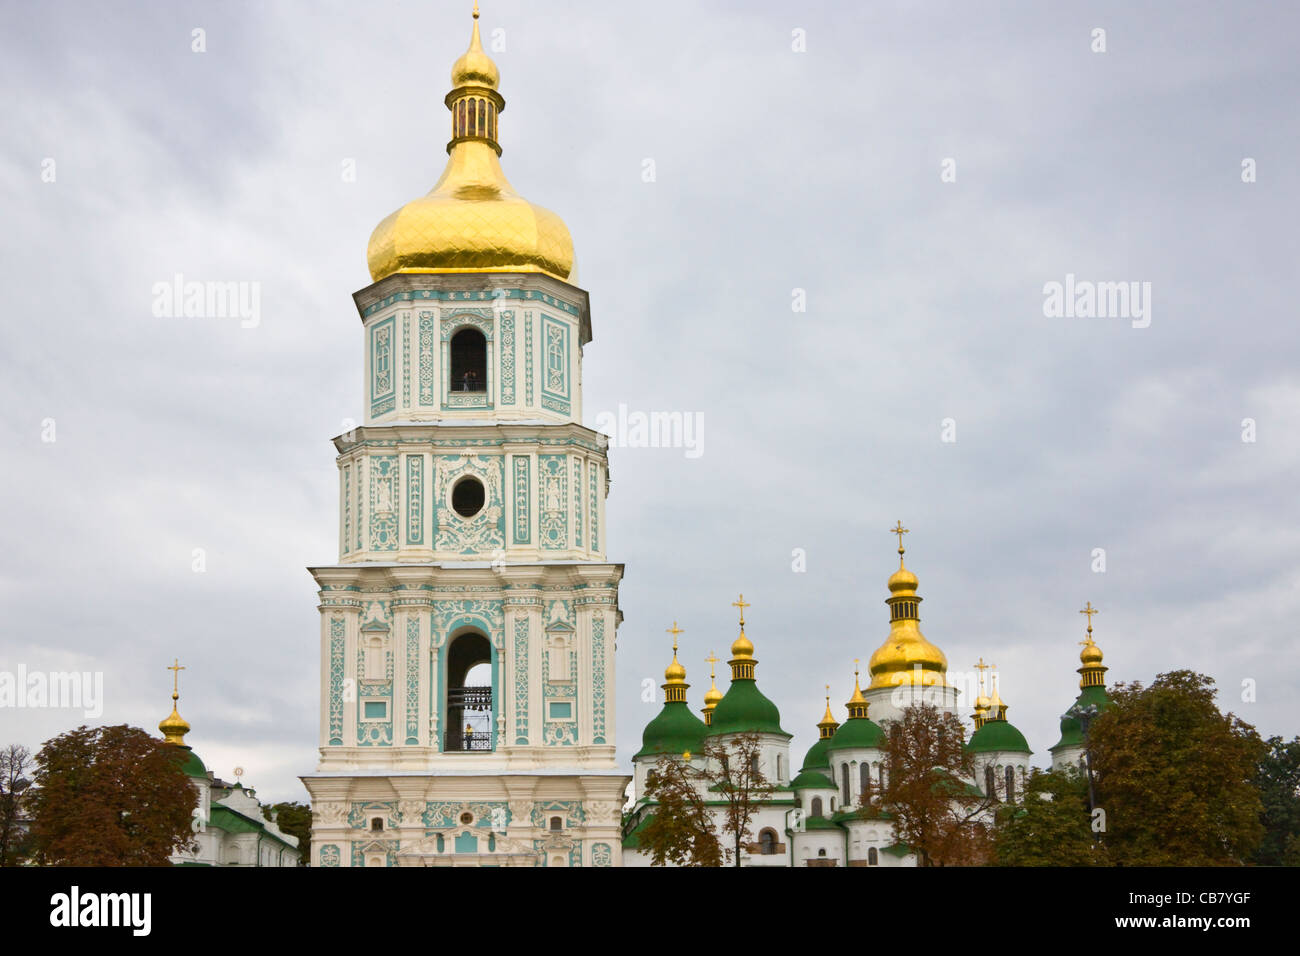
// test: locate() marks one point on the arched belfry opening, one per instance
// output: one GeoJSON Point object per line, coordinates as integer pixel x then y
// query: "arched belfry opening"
{"type": "Point", "coordinates": [468, 361]}
{"type": "Point", "coordinates": [469, 693]}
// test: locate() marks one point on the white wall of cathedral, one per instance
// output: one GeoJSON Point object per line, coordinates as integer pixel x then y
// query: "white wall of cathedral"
{"type": "Point", "coordinates": [530, 360]}
{"type": "Point", "coordinates": [773, 756]}
{"type": "Point", "coordinates": [542, 489]}
{"type": "Point", "coordinates": [855, 769]}
{"type": "Point", "coordinates": [547, 636]}
{"type": "Point", "coordinates": [999, 763]}
{"type": "Point", "coordinates": [491, 820]}
{"type": "Point", "coordinates": [1070, 757]}
{"type": "Point", "coordinates": [888, 703]}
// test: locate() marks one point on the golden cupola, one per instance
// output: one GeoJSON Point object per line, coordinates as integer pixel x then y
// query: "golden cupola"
{"type": "Point", "coordinates": [472, 220]}
{"type": "Point", "coordinates": [174, 727]}
{"type": "Point", "coordinates": [712, 695]}
{"type": "Point", "coordinates": [675, 674]}
{"type": "Point", "coordinates": [906, 657]}
{"type": "Point", "coordinates": [1093, 672]}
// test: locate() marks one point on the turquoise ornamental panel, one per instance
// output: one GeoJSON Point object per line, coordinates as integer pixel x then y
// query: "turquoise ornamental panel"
{"type": "Point", "coordinates": [594, 504]}
{"type": "Point", "coordinates": [523, 530]}
{"type": "Point", "coordinates": [553, 489]}
{"type": "Point", "coordinates": [507, 358]}
{"type": "Point", "coordinates": [383, 379]}
{"type": "Point", "coordinates": [557, 374]}
{"type": "Point", "coordinates": [406, 360]}
{"type": "Point", "coordinates": [466, 843]}
{"type": "Point", "coordinates": [428, 358]}
{"type": "Point", "coordinates": [347, 508]}
{"type": "Point", "coordinates": [412, 680]}
{"type": "Point", "coordinates": [521, 681]}
{"type": "Point", "coordinates": [598, 678]}
{"type": "Point", "coordinates": [483, 533]}
{"type": "Point", "coordinates": [577, 502]}
{"type": "Point", "coordinates": [384, 495]}
{"type": "Point", "coordinates": [528, 359]}
{"type": "Point", "coordinates": [415, 499]}
{"type": "Point", "coordinates": [336, 681]}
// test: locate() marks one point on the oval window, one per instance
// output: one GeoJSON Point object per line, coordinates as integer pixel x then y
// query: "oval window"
{"type": "Point", "coordinates": [467, 497]}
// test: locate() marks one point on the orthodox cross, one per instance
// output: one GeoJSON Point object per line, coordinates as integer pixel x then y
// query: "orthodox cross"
{"type": "Point", "coordinates": [982, 667]}
{"type": "Point", "coordinates": [742, 604]}
{"type": "Point", "coordinates": [899, 530]}
{"type": "Point", "coordinates": [1090, 611]}
{"type": "Point", "coordinates": [674, 631]}
{"type": "Point", "coordinates": [176, 669]}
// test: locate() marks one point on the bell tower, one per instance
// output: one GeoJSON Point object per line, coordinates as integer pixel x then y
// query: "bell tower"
{"type": "Point", "coordinates": [468, 628]}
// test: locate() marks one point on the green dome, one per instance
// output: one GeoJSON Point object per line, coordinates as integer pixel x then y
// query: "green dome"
{"type": "Point", "coordinates": [817, 758]}
{"type": "Point", "coordinates": [812, 780]}
{"type": "Point", "coordinates": [857, 732]}
{"type": "Point", "coordinates": [674, 731]}
{"type": "Point", "coordinates": [998, 735]}
{"type": "Point", "coordinates": [1071, 729]}
{"type": "Point", "coordinates": [744, 710]}
{"type": "Point", "coordinates": [192, 765]}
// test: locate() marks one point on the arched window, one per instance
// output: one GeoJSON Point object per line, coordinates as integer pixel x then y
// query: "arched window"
{"type": "Point", "coordinates": [816, 806]}
{"type": "Point", "coordinates": [990, 783]}
{"type": "Point", "coordinates": [651, 778]}
{"type": "Point", "coordinates": [468, 361]}
{"type": "Point", "coordinates": [847, 798]}
{"type": "Point", "coordinates": [753, 765]}
{"type": "Point", "coordinates": [881, 775]}
{"type": "Point", "coordinates": [376, 824]}
{"type": "Point", "coordinates": [873, 857]}
{"type": "Point", "coordinates": [482, 117]}
{"type": "Point", "coordinates": [767, 842]}
{"type": "Point", "coordinates": [557, 824]}
{"type": "Point", "coordinates": [778, 768]}
{"type": "Point", "coordinates": [469, 707]}
{"type": "Point", "coordinates": [864, 774]}
{"type": "Point", "coordinates": [1011, 784]}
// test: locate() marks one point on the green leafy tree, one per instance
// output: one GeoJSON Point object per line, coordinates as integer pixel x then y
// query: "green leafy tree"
{"type": "Point", "coordinates": [1175, 776]}
{"type": "Point", "coordinates": [1050, 827]}
{"type": "Point", "coordinates": [295, 820]}
{"type": "Point", "coordinates": [1278, 781]}
{"type": "Point", "coordinates": [934, 811]}
{"type": "Point", "coordinates": [681, 830]}
{"type": "Point", "coordinates": [110, 796]}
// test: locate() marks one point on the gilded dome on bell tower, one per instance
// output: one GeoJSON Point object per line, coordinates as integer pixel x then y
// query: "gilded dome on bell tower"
{"type": "Point", "coordinates": [472, 220]}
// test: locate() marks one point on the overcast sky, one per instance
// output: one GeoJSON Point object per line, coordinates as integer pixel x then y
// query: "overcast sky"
{"type": "Point", "coordinates": [775, 170]}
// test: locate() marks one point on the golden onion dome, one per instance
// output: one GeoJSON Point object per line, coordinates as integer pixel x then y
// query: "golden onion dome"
{"type": "Point", "coordinates": [475, 68]}
{"type": "Point", "coordinates": [675, 672]}
{"type": "Point", "coordinates": [174, 727]}
{"type": "Point", "coordinates": [742, 647]}
{"type": "Point", "coordinates": [1091, 654]}
{"type": "Point", "coordinates": [472, 220]}
{"type": "Point", "coordinates": [712, 696]}
{"type": "Point", "coordinates": [906, 657]}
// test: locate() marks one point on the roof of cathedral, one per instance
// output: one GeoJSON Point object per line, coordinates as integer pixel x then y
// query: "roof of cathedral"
{"type": "Point", "coordinates": [811, 780]}
{"type": "Point", "coordinates": [675, 729]}
{"type": "Point", "coordinates": [472, 220]}
{"type": "Point", "coordinates": [906, 657]}
{"type": "Point", "coordinates": [1092, 688]}
{"type": "Point", "coordinates": [817, 758]}
{"type": "Point", "coordinates": [857, 732]}
{"type": "Point", "coordinates": [998, 735]}
{"type": "Point", "coordinates": [743, 708]}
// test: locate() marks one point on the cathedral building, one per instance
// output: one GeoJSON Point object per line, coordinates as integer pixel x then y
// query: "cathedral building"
{"type": "Point", "coordinates": [230, 828]}
{"type": "Point", "coordinates": [467, 630]}
{"type": "Point", "coordinates": [814, 817]}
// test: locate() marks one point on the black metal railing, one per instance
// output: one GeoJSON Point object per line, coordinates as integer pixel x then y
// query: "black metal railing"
{"type": "Point", "coordinates": [459, 741]}
{"type": "Point", "coordinates": [465, 384]}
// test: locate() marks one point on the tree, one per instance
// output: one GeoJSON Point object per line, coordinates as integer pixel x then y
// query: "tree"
{"type": "Point", "coordinates": [1278, 782]}
{"type": "Point", "coordinates": [681, 829]}
{"type": "Point", "coordinates": [295, 820]}
{"type": "Point", "coordinates": [111, 796]}
{"type": "Point", "coordinates": [735, 773]}
{"type": "Point", "coordinates": [15, 762]}
{"type": "Point", "coordinates": [934, 810]}
{"type": "Point", "coordinates": [1174, 776]}
{"type": "Point", "coordinates": [1050, 827]}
